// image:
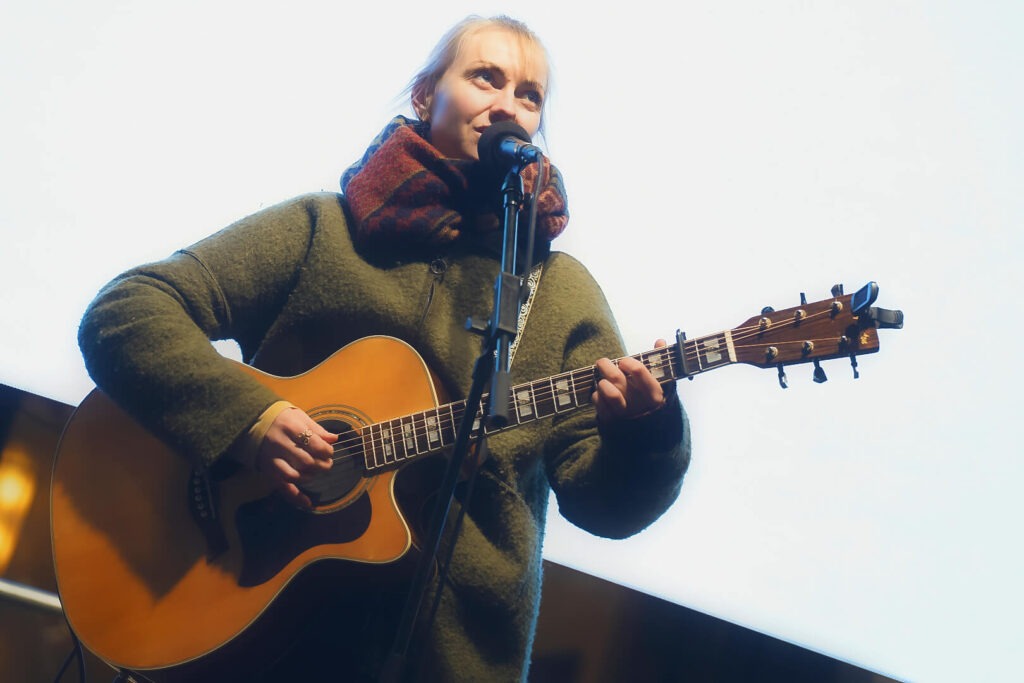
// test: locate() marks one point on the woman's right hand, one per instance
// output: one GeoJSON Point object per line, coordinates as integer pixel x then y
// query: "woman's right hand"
{"type": "Point", "coordinates": [295, 447]}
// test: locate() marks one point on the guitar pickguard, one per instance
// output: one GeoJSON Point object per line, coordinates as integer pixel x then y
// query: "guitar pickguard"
{"type": "Point", "coordinates": [274, 532]}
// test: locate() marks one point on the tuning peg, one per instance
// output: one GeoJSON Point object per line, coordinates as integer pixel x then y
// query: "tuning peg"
{"type": "Point", "coordinates": [853, 362]}
{"type": "Point", "coordinates": [803, 299]}
{"type": "Point", "coordinates": [783, 382]}
{"type": "Point", "coordinates": [766, 310]}
{"type": "Point", "coordinates": [837, 290]}
{"type": "Point", "coordinates": [819, 373]}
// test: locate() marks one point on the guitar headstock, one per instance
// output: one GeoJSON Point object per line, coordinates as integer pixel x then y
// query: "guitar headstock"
{"type": "Point", "coordinates": [838, 327]}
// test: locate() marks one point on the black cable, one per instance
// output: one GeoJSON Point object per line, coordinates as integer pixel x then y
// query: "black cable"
{"type": "Point", "coordinates": [81, 660]}
{"type": "Point", "coordinates": [77, 655]}
{"type": "Point", "coordinates": [64, 667]}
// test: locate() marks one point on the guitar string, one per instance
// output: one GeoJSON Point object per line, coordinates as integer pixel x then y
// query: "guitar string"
{"type": "Point", "coordinates": [577, 382]}
{"type": "Point", "coordinates": [400, 440]}
{"type": "Point", "coordinates": [386, 438]}
{"type": "Point", "coordinates": [543, 391]}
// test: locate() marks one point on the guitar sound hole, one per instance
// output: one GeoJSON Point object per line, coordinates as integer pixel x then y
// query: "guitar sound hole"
{"type": "Point", "coordinates": [347, 470]}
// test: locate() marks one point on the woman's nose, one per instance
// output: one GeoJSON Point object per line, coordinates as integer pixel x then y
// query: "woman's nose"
{"type": "Point", "coordinates": [503, 108]}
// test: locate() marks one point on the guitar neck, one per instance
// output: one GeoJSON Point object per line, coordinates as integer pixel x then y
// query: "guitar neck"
{"type": "Point", "coordinates": [840, 326]}
{"type": "Point", "coordinates": [395, 442]}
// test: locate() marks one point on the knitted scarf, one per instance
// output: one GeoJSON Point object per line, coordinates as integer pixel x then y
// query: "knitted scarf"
{"type": "Point", "coordinates": [403, 193]}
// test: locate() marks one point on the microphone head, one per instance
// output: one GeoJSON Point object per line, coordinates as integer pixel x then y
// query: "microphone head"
{"type": "Point", "coordinates": [488, 146]}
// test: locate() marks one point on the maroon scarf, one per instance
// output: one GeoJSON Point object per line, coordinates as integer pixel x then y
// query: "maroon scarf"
{"type": "Point", "coordinates": [404, 193]}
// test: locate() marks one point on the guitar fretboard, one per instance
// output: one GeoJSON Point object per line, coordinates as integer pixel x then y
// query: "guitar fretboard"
{"type": "Point", "coordinates": [397, 441]}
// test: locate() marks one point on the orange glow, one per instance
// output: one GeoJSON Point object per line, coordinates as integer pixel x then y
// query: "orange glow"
{"type": "Point", "coordinates": [17, 487]}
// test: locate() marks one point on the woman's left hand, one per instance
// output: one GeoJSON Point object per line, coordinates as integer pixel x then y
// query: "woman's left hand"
{"type": "Point", "coordinates": [626, 390]}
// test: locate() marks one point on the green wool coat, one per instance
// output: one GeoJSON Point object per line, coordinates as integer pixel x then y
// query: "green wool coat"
{"type": "Point", "coordinates": [290, 288]}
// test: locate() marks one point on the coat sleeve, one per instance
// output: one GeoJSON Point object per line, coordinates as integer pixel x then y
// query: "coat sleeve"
{"type": "Point", "coordinates": [146, 336]}
{"type": "Point", "coordinates": [612, 479]}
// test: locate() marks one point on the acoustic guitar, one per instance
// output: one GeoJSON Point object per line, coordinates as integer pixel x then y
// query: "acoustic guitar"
{"type": "Point", "coordinates": [159, 565]}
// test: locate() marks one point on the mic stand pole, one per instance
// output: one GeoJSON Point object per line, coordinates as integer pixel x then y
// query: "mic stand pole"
{"type": "Point", "coordinates": [498, 335]}
{"type": "Point", "coordinates": [507, 301]}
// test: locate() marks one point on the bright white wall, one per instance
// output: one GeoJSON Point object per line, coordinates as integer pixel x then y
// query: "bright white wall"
{"type": "Point", "coordinates": [720, 156]}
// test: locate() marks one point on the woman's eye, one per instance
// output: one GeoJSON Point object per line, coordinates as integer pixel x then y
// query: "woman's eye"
{"type": "Point", "coordinates": [485, 75]}
{"type": "Point", "coordinates": [534, 97]}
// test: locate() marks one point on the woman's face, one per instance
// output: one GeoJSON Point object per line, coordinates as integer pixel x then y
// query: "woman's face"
{"type": "Point", "coordinates": [495, 77]}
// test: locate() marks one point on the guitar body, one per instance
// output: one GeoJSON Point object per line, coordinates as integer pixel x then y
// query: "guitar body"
{"type": "Point", "coordinates": [136, 575]}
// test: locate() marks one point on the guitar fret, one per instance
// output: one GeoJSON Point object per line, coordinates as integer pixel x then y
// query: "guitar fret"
{"type": "Point", "coordinates": [655, 362]}
{"type": "Point", "coordinates": [364, 437]}
{"type": "Point", "coordinates": [397, 440]}
{"type": "Point", "coordinates": [562, 395]}
{"type": "Point", "coordinates": [450, 423]}
{"type": "Point", "coordinates": [371, 452]}
{"type": "Point", "coordinates": [714, 350]}
{"type": "Point", "coordinates": [408, 426]}
{"type": "Point", "coordinates": [387, 443]}
{"type": "Point", "coordinates": [435, 437]}
{"type": "Point", "coordinates": [487, 428]}
{"type": "Point", "coordinates": [525, 407]}
{"type": "Point", "coordinates": [380, 455]}
{"type": "Point", "coordinates": [544, 399]}
{"type": "Point", "coordinates": [583, 383]}
{"type": "Point", "coordinates": [419, 422]}
{"type": "Point", "coordinates": [514, 417]}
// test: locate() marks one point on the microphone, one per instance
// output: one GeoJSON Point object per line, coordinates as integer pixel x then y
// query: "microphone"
{"type": "Point", "coordinates": [506, 144]}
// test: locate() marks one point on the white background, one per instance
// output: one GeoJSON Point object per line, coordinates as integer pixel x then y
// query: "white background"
{"type": "Point", "coordinates": [720, 157]}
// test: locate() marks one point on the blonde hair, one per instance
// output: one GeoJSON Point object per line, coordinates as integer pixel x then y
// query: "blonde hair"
{"type": "Point", "coordinates": [421, 88]}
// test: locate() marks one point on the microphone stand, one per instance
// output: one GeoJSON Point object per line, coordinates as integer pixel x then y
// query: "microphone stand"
{"type": "Point", "coordinates": [492, 365]}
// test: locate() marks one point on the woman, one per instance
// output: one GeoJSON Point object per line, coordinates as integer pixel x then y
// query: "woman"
{"type": "Point", "coordinates": [410, 251]}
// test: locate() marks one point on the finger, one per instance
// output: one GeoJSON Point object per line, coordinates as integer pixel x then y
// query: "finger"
{"type": "Point", "coordinates": [322, 455]}
{"type": "Point", "coordinates": [638, 378]}
{"type": "Point", "coordinates": [608, 400]}
{"type": "Point", "coordinates": [638, 393]}
{"type": "Point", "coordinates": [629, 366]}
{"type": "Point", "coordinates": [311, 452]}
{"type": "Point", "coordinates": [607, 370]}
{"type": "Point", "coordinates": [282, 470]}
{"type": "Point", "coordinates": [320, 431]}
{"type": "Point", "coordinates": [299, 426]}
{"type": "Point", "coordinates": [293, 494]}
{"type": "Point", "coordinates": [299, 457]}
{"type": "Point", "coordinates": [646, 380]}
{"type": "Point", "coordinates": [643, 388]}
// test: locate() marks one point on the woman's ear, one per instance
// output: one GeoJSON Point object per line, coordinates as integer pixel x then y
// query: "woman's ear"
{"type": "Point", "coordinates": [421, 105]}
